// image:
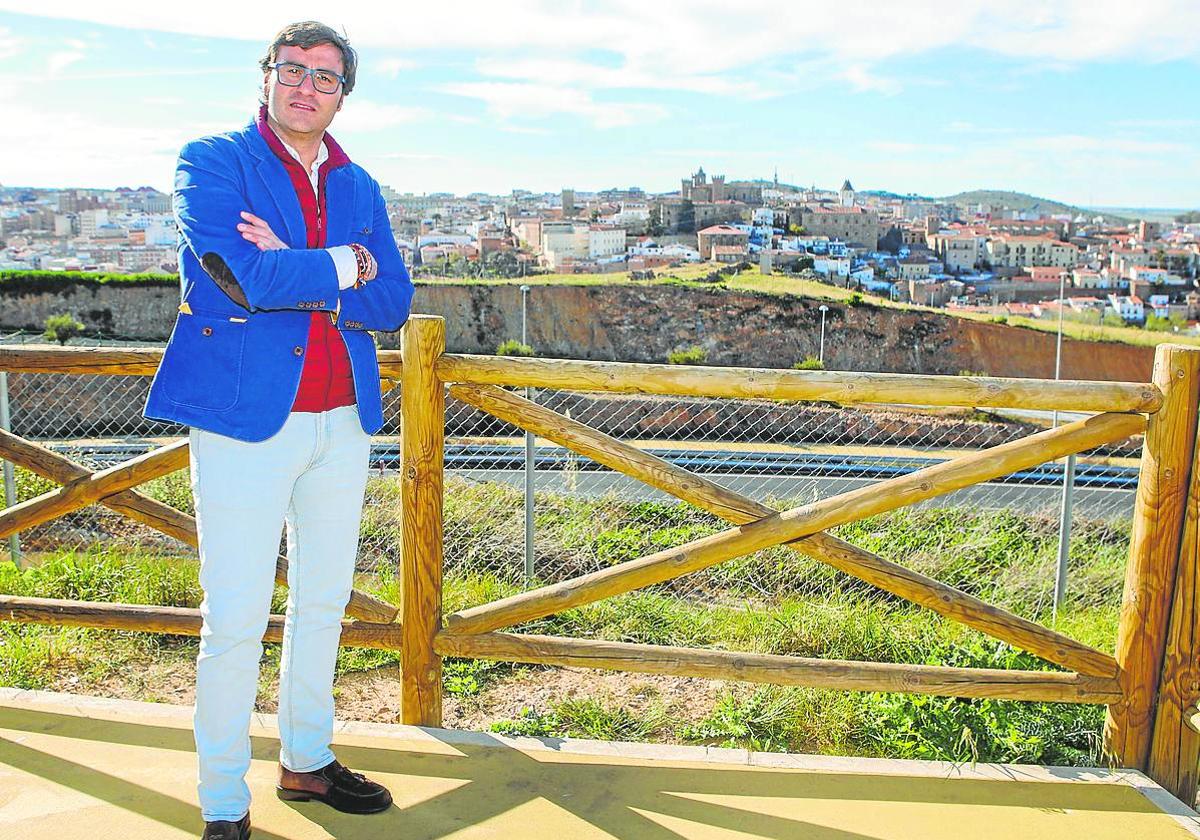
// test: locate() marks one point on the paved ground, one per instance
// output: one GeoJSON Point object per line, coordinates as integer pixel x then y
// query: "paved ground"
{"type": "Point", "coordinates": [75, 768]}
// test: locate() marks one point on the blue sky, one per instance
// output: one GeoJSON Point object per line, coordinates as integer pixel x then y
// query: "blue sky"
{"type": "Point", "coordinates": [1085, 102]}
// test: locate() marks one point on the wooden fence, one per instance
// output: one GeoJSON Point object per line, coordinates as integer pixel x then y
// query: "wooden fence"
{"type": "Point", "coordinates": [1151, 685]}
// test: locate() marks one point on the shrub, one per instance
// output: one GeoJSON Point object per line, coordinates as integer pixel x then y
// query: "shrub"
{"type": "Point", "coordinates": [809, 363]}
{"type": "Point", "coordinates": [62, 328]}
{"type": "Point", "coordinates": [54, 281]}
{"type": "Point", "coordinates": [512, 347]}
{"type": "Point", "coordinates": [856, 300]}
{"type": "Point", "coordinates": [1000, 319]}
{"type": "Point", "coordinates": [690, 356]}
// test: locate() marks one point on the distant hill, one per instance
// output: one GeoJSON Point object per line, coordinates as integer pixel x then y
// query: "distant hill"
{"type": "Point", "coordinates": [1023, 202]}
{"type": "Point", "coordinates": [891, 196]}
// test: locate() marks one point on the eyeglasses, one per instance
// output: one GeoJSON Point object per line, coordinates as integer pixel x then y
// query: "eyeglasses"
{"type": "Point", "coordinates": [292, 75]}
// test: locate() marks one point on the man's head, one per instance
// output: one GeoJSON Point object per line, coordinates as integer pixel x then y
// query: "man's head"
{"type": "Point", "coordinates": [307, 107]}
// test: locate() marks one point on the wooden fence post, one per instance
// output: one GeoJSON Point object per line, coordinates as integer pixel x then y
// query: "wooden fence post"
{"type": "Point", "coordinates": [1175, 744]}
{"type": "Point", "coordinates": [1158, 519]}
{"type": "Point", "coordinates": [422, 413]}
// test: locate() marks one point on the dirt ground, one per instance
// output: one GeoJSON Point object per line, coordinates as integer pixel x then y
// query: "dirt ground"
{"type": "Point", "coordinates": [375, 695]}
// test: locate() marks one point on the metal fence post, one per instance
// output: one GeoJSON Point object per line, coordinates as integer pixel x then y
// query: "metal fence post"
{"type": "Point", "coordinates": [529, 455]}
{"type": "Point", "coordinates": [1064, 535]}
{"type": "Point", "coordinates": [10, 481]}
{"type": "Point", "coordinates": [1064, 522]}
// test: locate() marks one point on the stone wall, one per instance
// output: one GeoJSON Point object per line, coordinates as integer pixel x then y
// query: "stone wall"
{"type": "Point", "coordinates": [137, 312]}
{"type": "Point", "coordinates": [646, 323]}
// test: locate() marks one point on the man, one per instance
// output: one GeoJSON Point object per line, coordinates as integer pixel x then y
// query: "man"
{"type": "Point", "coordinates": [286, 260]}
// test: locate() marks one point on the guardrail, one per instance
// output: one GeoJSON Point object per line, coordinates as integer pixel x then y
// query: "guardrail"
{"type": "Point", "coordinates": [1150, 686]}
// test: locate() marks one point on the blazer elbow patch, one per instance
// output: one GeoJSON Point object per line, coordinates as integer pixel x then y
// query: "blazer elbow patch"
{"type": "Point", "coordinates": [221, 274]}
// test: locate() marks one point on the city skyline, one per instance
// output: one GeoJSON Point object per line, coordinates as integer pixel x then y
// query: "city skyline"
{"type": "Point", "coordinates": [1064, 105]}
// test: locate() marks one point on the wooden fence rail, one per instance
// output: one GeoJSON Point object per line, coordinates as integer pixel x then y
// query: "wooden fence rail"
{"type": "Point", "coordinates": [1151, 685]}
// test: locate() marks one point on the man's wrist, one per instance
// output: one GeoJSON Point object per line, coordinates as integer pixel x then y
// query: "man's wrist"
{"type": "Point", "coordinates": [346, 263]}
{"type": "Point", "coordinates": [367, 267]}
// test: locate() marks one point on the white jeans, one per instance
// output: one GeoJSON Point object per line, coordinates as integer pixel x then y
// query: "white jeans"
{"type": "Point", "coordinates": [311, 475]}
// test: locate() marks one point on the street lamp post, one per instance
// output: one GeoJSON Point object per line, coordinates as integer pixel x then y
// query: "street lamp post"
{"type": "Point", "coordinates": [528, 451]}
{"type": "Point", "coordinates": [821, 353]}
{"type": "Point", "coordinates": [1064, 524]}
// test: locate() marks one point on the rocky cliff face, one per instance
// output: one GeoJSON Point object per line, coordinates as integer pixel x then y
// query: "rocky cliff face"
{"type": "Point", "coordinates": [645, 323]}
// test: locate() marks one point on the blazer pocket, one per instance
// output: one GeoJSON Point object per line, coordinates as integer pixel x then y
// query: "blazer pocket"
{"type": "Point", "coordinates": [207, 352]}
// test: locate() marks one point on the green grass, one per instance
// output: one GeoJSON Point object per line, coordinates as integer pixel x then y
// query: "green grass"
{"type": "Point", "coordinates": [691, 272]}
{"type": "Point", "coordinates": [775, 601]}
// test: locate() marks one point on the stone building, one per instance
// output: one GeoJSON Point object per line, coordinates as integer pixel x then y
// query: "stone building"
{"type": "Point", "coordinates": [697, 188]}
{"type": "Point", "coordinates": [849, 224]}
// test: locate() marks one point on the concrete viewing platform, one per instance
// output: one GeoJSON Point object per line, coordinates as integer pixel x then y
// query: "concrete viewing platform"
{"type": "Point", "coordinates": [82, 768]}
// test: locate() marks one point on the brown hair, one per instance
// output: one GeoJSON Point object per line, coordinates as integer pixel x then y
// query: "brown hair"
{"type": "Point", "coordinates": [307, 34]}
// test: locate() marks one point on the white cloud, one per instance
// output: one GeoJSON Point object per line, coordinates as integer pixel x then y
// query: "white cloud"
{"type": "Point", "coordinates": [704, 45]}
{"type": "Point", "coordinates": [163, 101]}
{"type": "Point", "coordinates": [59, 61]}
{"type": "Point", "coordinates": [68, 153]}
{"type": "Point", "coordinates": [359, 115]}
{"type": "Point", "coordinates": [1068, 144]}
{"type": "Point", "coordinates": [569, 71]}
{"type": "Point", "coordinates": [519, 100]}
{"type": "Point", "coordinates": [863, 80]}
{"type": "Point", "coordinates": [392, 67]}
{"type": "Point", "coordinates": [10, 44]}
{"type": "Point", "coordinates": [408, 156]}
{"type": "Point", "coordinates": [899, 147]}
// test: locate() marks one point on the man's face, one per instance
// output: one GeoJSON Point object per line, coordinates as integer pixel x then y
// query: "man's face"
{"type": "Point", "coordinates": [304, 109]}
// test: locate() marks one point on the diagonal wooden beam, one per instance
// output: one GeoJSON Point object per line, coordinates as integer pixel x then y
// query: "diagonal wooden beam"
{"type": "Point", "coordinates": [800, 522]}
{"type": "Point", "coordinates": [164, 518]}
{"type": "Point", "coordinates": [83, 491]}
{"type": "Point", "coordinates": [774, 669]}
{"type": "Point", "coordinates": [928, 592]}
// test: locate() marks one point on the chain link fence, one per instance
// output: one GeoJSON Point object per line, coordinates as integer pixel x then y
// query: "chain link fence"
{"type": "Point", "coordinates": [587, 517]}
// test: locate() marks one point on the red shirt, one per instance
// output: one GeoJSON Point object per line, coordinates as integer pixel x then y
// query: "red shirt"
{"type": "Point", "coordinates": [326, 380]}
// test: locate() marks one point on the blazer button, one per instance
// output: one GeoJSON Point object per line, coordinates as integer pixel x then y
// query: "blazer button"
{"type": "Point", "coordinates": [207, 330]}
{"type": "Point", "coordinates": [299, 351]}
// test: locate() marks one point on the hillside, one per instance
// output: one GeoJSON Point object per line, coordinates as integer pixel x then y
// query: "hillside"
{"type": "Point", "coordinates": [1021, 201]}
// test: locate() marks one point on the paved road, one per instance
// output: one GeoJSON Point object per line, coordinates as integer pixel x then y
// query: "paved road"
{"type": "Point", "coordinates": [1101, 491]}
{"type": "Point", "coordinates": [1089, 502]}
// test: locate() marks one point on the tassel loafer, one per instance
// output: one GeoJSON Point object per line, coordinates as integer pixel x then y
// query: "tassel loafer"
{"type": "Point", "coordinates": [335, 785]}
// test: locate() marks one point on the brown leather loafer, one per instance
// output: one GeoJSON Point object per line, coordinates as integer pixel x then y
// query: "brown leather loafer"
{"type": "Point", "coordinates": [337, 787]}
{"type": "Point", "coordinates": [226, 830]}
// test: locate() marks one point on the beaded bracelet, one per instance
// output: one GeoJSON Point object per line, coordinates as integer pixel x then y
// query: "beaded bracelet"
{"type": "Point", "coordinates": [366, 265]}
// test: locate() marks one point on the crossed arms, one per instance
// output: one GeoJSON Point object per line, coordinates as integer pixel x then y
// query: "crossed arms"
{"type": "Point", "coordinates": [257, 269]}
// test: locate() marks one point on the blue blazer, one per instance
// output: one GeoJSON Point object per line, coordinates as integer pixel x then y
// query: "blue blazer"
{"type": "Point", "coordinates": [232, 364]}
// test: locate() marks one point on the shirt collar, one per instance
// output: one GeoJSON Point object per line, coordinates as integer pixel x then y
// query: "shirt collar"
{"type": "Point", "coordinates": [330, 153]}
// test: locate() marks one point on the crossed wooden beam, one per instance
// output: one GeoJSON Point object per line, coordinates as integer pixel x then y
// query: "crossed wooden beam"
{"type": "Point", "coordinates": [471, 632]}
{"type": "Point", "coordinates": [113, 489]}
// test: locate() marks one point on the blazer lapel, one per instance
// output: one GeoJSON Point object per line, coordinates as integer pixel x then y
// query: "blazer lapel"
{"type": "Point", "coordinates": [340, 201]}
{"type": "Point", "coordinates": [279, 186]}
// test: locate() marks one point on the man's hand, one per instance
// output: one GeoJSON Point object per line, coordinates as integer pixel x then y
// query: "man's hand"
{"type": "Point", "coordinates": [259, 232]}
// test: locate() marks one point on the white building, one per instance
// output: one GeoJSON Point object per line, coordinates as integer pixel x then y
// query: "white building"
{"type": "Point", "coordinates": [832, 266]}
{"type": "Point", "coordinates": [1129, 308]}
{"type": "Point", "coordinates": [90, 220]}
{"type": "Point", "coordinates": [569, 240]}
{"type": "Point", "coordinates": [1154, 276]}
{"type": "Point", "coordinates": [605, 241]}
